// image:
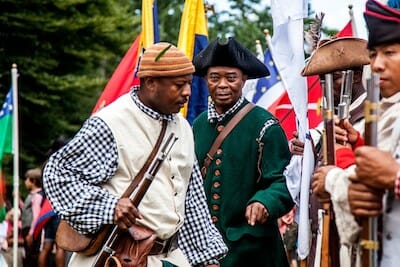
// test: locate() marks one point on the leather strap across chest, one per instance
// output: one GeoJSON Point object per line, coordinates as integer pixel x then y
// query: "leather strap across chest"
{"type": "Point", "coordinates": [218, 141]}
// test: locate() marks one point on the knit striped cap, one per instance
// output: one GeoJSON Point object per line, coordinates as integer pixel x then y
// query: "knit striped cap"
{"type": "Point", "coordinates": [164, 60]}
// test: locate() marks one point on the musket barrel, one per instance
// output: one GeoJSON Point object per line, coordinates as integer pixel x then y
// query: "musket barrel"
{"type": "Point", "coordinates": [369, 236]}
{"type": "Point", "coordinates": [328, 120]}
{"type": "Point", "coordinates": [328, 138]}
{"type": "Point", "coordinates": [345, 98]}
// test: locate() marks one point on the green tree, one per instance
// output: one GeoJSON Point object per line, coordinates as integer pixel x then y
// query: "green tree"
{"type": "Point", "coordinates": [246, 20]}
{"type": "Point", "coordinates": [65, 51]}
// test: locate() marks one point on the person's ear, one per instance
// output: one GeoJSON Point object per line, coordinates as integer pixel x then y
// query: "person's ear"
{"type": "Point", "coordinates": [244, 79]}
{"type": "Point", "coordinates": [150, 83]}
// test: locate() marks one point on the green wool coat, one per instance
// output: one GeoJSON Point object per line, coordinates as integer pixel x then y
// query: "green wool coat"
{"type": "Point", "coordinates": [232, 182]}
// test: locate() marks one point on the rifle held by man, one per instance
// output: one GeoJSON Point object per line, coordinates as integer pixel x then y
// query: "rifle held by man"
{"type": "Point", "coordinates": [345, 98]}
{"type": "Point", "coordinates": [114, 232]}
{"type": "Point", "coordinates": [369, 235]}
{"type": "Point", "coordinates": [328, 159]}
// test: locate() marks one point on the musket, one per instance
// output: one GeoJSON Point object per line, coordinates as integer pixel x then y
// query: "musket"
{"type": "Point", "coordinates": [328, 147]}
{"type": "Point", "coordinates": [369, 235]}
{"type": "Point", "coordinates": [329, 124]}
{"type": "Point", "coordinates": [114, 232]}
{"type": "Point", "coordinates": [345, 98]}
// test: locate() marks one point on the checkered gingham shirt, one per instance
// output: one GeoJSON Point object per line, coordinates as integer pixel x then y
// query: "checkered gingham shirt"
{"type": "Point", "coordinates": [91, 158]}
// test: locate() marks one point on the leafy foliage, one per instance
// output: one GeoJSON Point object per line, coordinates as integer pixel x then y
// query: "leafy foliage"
{"type": "Point", "coordinates": [246, 23]}
{"type": "Point", "coordinates": [65, 51]}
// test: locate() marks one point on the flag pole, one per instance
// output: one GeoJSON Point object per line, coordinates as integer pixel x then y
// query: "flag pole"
{"type": "Point", "coordinates": [259, 51]}
{"type": "Point", "coordinates": [353, 22]}
{"type": "Point", "coordinates": [269, 45]}
{"type": "Point", "coordinates": [250, 85]}
{"type": "Point", "coordinates": [14, 82]}
{"type": "Point", "coordinates": [303, 262]}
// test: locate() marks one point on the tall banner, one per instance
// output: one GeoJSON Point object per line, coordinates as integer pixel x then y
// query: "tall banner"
{"type": "Point", "coordinates": [299, 109]}
{"type": "Point", "coordinates": [284, 110]}
{"type": "Point", "coordinates": [288, 44]}
{"type": "Point", "coordinates": [193, 37]}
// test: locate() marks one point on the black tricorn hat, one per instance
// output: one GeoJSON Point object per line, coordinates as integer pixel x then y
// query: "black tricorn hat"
{"type": "Point", "coordinates": [229, 54]}
{"type": "Point", "coordinates": [383, 24]}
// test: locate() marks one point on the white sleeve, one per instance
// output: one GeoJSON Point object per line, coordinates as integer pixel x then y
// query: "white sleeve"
{"type": "Point", "coordinates": [337, 183]}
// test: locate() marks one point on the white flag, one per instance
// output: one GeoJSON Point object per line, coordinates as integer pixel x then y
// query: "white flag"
{"type": "Point", "coordinates": [288, 43]}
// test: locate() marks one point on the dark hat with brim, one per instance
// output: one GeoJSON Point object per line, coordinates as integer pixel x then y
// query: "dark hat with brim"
{"type": "Point", "coordinates": [337, 54]}
{"type": "Point", "coordinates": [383, 24]}
{"type": "Point", "coordinates": [229, 54]}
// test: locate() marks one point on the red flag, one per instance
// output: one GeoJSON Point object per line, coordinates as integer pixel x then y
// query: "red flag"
{"type": "Point", "coordinates": [347, 30]}
{"type": "Point", "coordinates": [123, 77]}
{"type": "Point", "coordinates": [284, 110]}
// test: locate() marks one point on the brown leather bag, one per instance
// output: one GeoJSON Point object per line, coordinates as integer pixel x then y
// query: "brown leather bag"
{"type": "Point", "coordinates": [69, 239]}
{"type": "Point", "coordinates": [133, 248]}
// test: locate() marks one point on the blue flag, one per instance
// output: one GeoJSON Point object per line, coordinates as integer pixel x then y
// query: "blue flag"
{"type": "Point", "coordinates": [265, 83]}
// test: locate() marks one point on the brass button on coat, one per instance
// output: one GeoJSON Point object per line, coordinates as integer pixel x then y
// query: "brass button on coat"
{"type": "Point", "coordinates": [220, 128]}
{"type": "Point", "coordinates": [217, 173]}
{"type": "Point", "coordinates": [215, 207]}
{"type": "Point", "coordinates": [214, 219]}
{"type": "Point", "coordinates": [219, 151]}
{"type": "Point", "coordinates": [216, 184]}
{"type": "Point", "coordinates": [216, 196]}
{"type": "Point", "coordinates": [218, 161]}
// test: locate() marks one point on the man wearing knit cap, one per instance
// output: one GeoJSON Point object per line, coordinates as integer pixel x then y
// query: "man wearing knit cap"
{"type": "Point", "coordinates": [86, 178]}
{"type": "Point", "coordinates": [243, 176]}
{"type": "Point", "coordinates": [378, 169]}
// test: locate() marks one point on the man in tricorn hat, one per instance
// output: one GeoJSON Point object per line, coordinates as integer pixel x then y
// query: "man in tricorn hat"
{"type": "Point", "coordinates": [378, 169]}
{"type": "Point", "coordinates": [243, 176]}
{"type": "Point", "coordinates": [365, 192]}
{"type": "Point", "coordinates": [334, 56]}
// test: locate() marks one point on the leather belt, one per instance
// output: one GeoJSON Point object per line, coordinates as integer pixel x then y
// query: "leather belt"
{"type": "Point", "coordinates": [164, 246]}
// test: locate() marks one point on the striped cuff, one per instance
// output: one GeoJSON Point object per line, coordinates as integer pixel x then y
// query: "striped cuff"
{"type": "Point", "coordinates": [397, 185]}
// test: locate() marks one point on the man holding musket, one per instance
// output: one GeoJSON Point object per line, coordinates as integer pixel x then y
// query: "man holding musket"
{"type": "Point", "coordinates": [335, 57]}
